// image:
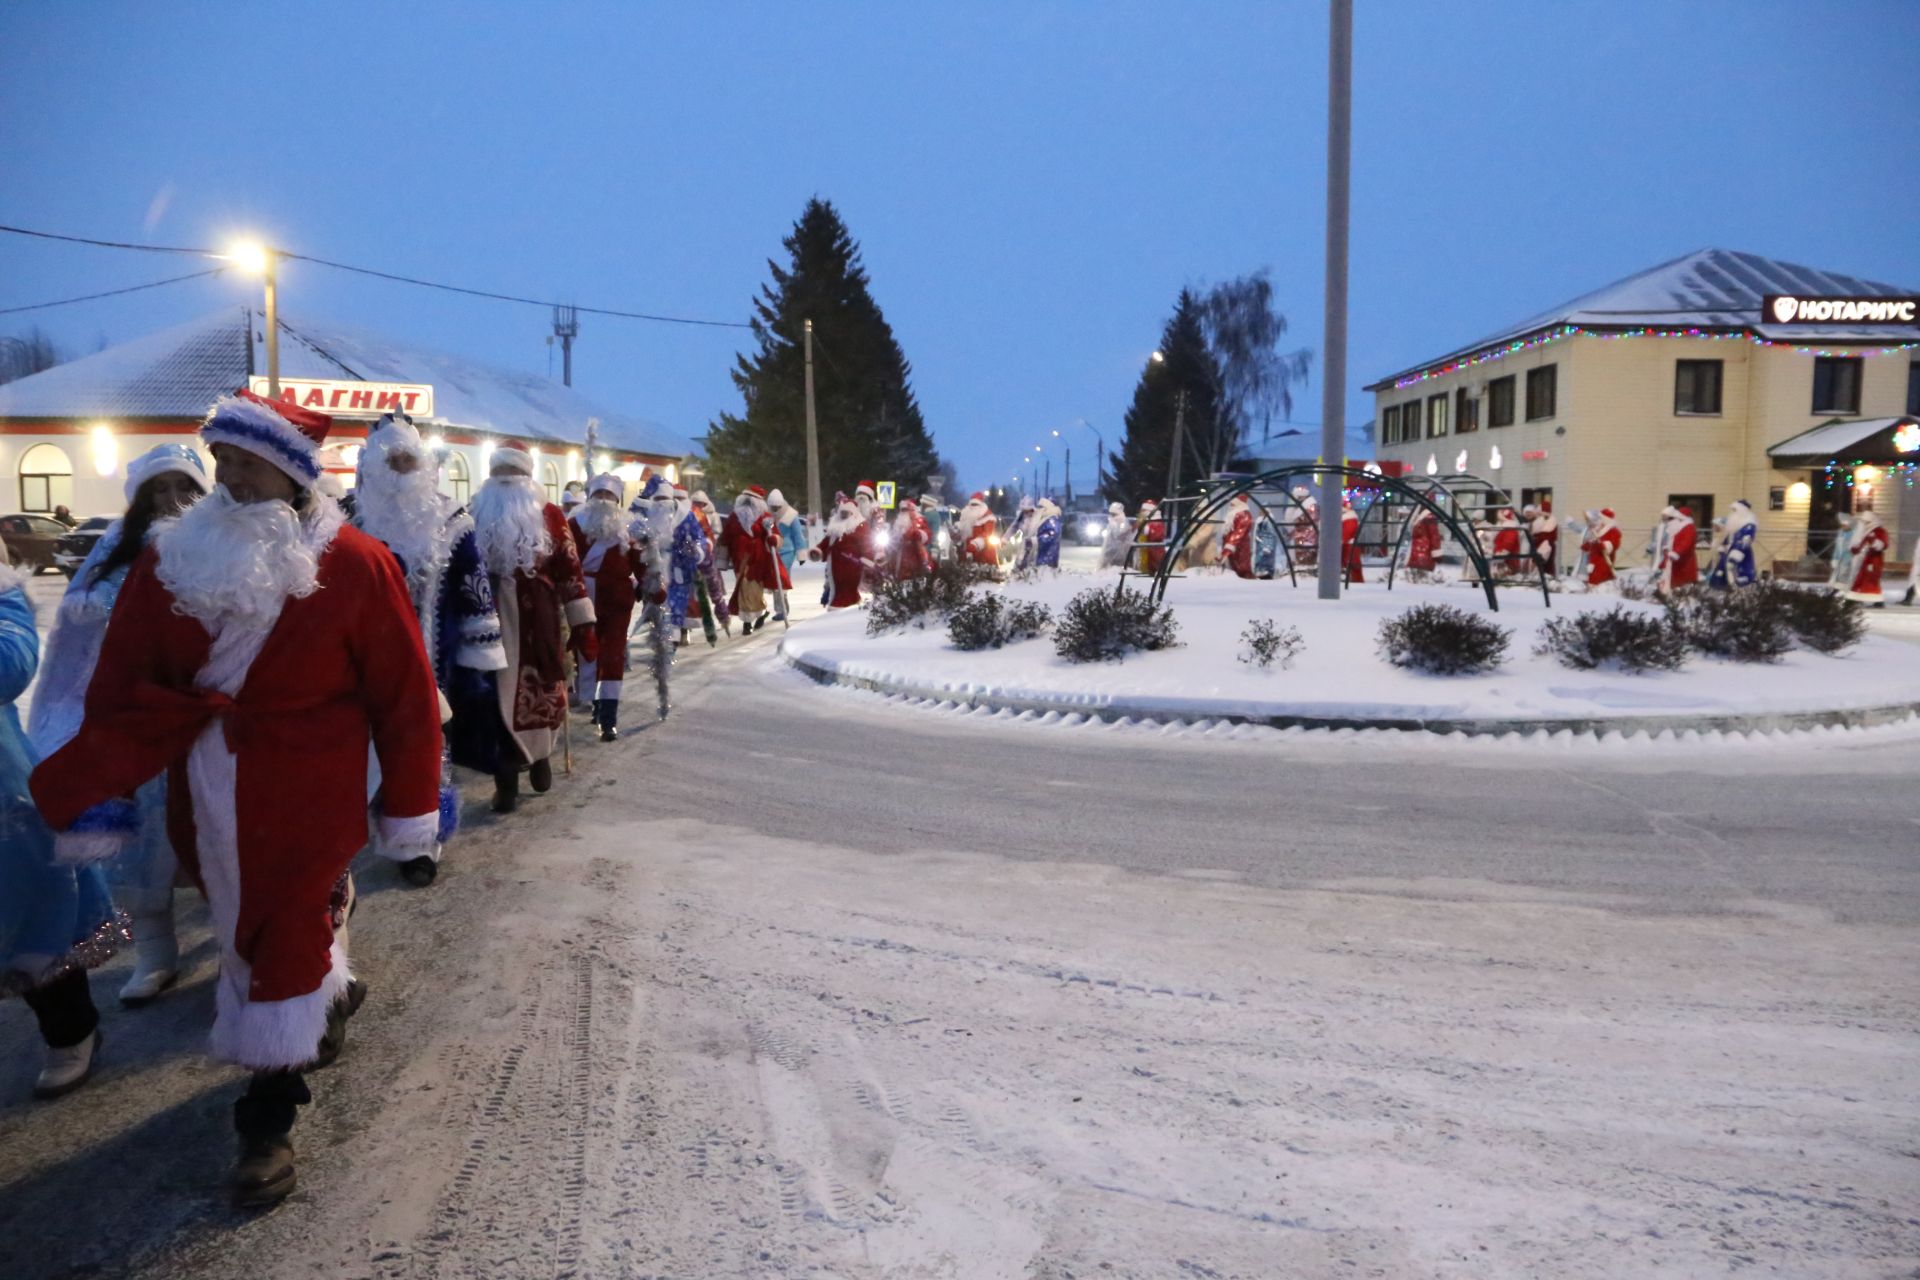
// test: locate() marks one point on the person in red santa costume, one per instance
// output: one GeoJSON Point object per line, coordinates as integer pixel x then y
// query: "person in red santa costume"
{"type": "Point", "coordinates": [1546, 538]}
{"type": "Point", "coordinates": [259, 645]}
{"type": "Point", "coordinates": [847, 549]}
{"type": "Point", "coordinates": [1237, 546]}
{"type": "Point", "coordinates": [975, 532]}
{"type": "Point", "coordinates": [1679, 561]}
{"type": "Point", "coordinates": [1423, 544]}
{"type": "Point", "coordinates": [1306, 526]}
{"type": "Point", "coordinates": [1869, 547]}
{"type": "Point", "coordinates": [1506, 544]}
{"type": "Point", "coordinates": [1153, 534]}
{"type": "Point", "coordinates": [609, 568]}
{"type": "Point", "coordinates": [535, 567]}
{"type": "Point", "coordinates": [911, 538]}
{"type": "Point", "coordinates": [1600, 545]}
{"type": "Point", "coordinates": [752, 540]}
{"type": "Point", "coordinates": [1350, 543]}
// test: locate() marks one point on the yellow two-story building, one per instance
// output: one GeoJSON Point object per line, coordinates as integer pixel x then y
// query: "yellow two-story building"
{"type": "Point", "coordinates": [1715, 377]}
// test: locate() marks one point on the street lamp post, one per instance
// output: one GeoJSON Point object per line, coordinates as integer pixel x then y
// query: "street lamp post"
{"type": "Point", "coordinates": [261, 261]}
{"type": "Point", "coordinates": [1333, 379]}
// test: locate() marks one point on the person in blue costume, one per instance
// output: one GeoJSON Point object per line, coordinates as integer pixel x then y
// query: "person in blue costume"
{"type": "Point", "coordinates": [793, 530]}
{"type": "Point", "coordinates": [1046, 534]}
{"type": "Point", "coordinates": [1735, 564]}
{"type": "Point", "coordinates": [161, 483]}
{"type": "Point", "coordinates": [56, 921]}
{"type": "Point", "coordinates": [400, 503]}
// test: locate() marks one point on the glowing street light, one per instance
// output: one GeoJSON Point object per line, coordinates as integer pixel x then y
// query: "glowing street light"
{"type": "Point", "coordinates": [1158, 357]}
{"type": "Point", "coordinates": [257, 259]}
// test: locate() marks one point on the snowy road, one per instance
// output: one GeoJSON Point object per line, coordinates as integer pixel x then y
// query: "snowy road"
{"type": "Point", "coordinates": [922, 995]}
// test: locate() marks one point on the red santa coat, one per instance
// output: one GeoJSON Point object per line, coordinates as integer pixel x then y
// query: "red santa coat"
{"type": "Point", "coordinates": [1869, 557]}
{"type": "Point", "coordinates": [1506, 549]}
{"type": "Point", "coordinates": [1350, 545]}
{"type": "Point", "coordinates": [267, 783]}
{"type": "Point", "coordinates": [609, 570]}
{"type": "Point", "coordinates": [1546, 538]}
{"type": "Point", "coordinates": [846, 554]}
{"type": "Point", "coordinates": [582, 642]}
{"type": "Point", "coordinates": [1424, 542]}
{"type": "Point", "coordinates": [1153, 530]}
{"type": "Point", "coordinates": [1601, 547]}
{"type": "Point", "coordinates": [532, 691]}
{"type": "Point", "coordinates": [1680, 565]}
{"type": "Point", "coordinates": [752, 551]}
{"type": "Point", "coordinates": [914, 560]}
{"type": "Point", "coordinates": [978, 545]}
{"type": "Point", "coordinates": [1237, 546]}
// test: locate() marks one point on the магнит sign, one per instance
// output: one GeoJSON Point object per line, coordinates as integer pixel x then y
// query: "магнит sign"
{"type": "Point", "coordinates": [348, 398]}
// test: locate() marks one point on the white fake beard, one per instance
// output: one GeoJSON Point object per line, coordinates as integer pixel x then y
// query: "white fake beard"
{"type": "Point", "coordinates": [660, 520]}
{"type": "Point", "coordinates": [970, 515]}
{"type": "Point", "coordinates": [510, 524]}
{"type": "Point", "coordinates": [845, 521]}
{"type": "Point", "coordinates": [903, 521]}
{"type": "Point", "coordinates": [403, 510]}
{"type": "Point", "coordinates": [748, 508]}
{"type": "Point", "coordinates": [237, 563]}
{"type": "Point", "coordinates": [601, 520]}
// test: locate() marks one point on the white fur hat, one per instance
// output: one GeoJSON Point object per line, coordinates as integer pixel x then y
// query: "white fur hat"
{"type": "Point", "coordinates": [514, 454]}
{"type": "Point", "coordinates": [161, 459]}
{"type": "Point", "coordinates": [606, 482]}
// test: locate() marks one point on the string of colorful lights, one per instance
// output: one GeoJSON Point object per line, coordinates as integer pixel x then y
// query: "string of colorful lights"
{"type": "Point", "coordinates": [1839, 475]}
{"type": "Point", "coordinates": [1573, 330]}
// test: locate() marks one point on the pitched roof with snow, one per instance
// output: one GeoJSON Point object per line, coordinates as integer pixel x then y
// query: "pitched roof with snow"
{"type": "Point", "coordinates": [1713, 289]}
{"type": "Point", "coordinates": [1830, 438]}
{"type": "Point", "coordinates": [178, 372]}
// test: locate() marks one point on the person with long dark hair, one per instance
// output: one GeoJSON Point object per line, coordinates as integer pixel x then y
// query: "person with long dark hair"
{"type": "Point", "coordinates": [161, 483]}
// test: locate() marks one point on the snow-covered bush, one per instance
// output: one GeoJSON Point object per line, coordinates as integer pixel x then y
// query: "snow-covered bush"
{"type": "Point", "coordinates": [1745, 625]}
{"type": "Point", "coordinates": [1821, 620]}
{"type": "Point", "coordinates": [913, 601]}
{"type": "Point", "coordinates": [1103, 623]}
{"type": "Point", "coordinates": [1630, 639]}
{"type": "Point", "coordinates": [986, 620]}
{"type": "Point", "coordinates": [1262, 642]}
{"type": "Point", "coordinates": [1443, 640]}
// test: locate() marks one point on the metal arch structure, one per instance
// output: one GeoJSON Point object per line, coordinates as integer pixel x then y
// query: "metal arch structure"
{"type": "Point", "coordinates": [1452, 487]}
{"type": "Point", "coordinates": [1210, 504]}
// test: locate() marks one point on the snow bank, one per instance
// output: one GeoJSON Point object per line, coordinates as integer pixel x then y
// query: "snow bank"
{"type": "Point", "coordinates": [1340, 676]}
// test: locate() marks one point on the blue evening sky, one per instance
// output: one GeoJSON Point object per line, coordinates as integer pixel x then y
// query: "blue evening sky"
{"type": "Point", "coordinates": [1031, 183]}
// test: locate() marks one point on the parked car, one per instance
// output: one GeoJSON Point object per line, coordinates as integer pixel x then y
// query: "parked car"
{"type": "Point", "coordinates": [30, 540]}
{"type": "Point", "coordinates": [77, 543]}
{"type": "Point", "coordinates": [1085, 521]}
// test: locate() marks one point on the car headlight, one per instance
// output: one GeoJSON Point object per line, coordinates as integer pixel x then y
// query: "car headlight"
{"type": "Point", "coordinates": [881, 538]}
{"type": "Point", "coordinates": [1091, 529]}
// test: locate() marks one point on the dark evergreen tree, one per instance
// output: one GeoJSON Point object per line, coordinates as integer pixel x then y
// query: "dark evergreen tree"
{"type": "Point", "coordinates": [1185, 364]}
{"type": "Point", "coordinates": [869, 422]}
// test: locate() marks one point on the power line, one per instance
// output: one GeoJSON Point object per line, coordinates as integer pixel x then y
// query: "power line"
{"type": "Point", "coordinates": [382, 275]}
{"type": "Point", "coordinates": [113, 293]}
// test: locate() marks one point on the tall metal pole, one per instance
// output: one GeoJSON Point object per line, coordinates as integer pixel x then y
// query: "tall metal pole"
{"type": "Point", "coordinates": [273, 329]}
{"type": "Point", "coordinates": [813, 433]}
{"type": "Point", "coordinates": [1046, 486]}
{"type": "Point", "coordinates": [1333, 377]}
{"type": "Point", "coordinates": [1179, 442]}
{"type": "Point", "coordinates": [1069, 469]}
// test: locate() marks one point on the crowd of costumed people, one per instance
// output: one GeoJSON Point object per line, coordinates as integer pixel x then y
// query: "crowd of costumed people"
{"type": "Point", "coordinates": [256, 675]}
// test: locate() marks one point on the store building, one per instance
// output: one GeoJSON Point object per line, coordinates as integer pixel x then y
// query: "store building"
{"type": "Point", "coordinates": [67, 433]}
{"type": "Point", "coordinates": [1715, 377]}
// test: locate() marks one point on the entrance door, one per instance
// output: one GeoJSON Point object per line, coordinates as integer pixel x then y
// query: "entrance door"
{"type": "Point", "coordinates": [1823, 513]}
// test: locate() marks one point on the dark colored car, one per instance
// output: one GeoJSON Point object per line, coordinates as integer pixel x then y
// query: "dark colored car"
{"type": "Point", "coordinates": [77, 543]}
{"type": "Point", "coordinates": [30, 540]}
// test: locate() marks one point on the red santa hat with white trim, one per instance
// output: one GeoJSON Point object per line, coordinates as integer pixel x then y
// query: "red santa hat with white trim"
{"type": "Point", "coordinates": [866, 487]}
{"type": "Point", "coordinates": [515, 454]}
{"type": "Point", "coordinates": [284, 434]}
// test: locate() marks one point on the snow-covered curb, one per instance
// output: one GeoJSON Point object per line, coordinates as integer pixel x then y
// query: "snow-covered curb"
{"type": "Point", "coordinates": [1340, 683]}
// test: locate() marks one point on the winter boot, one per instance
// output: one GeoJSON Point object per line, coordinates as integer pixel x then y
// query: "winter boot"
{"type": "Point", "coordinates": [418, 872]}
{"type": "Point", "coordinates": [334, 1038]}
{"type": "Point", "coordinates": [540, 776]}
{"type": "Point", "coordinates": [156, 958]}
{"type": "Point", "coordinates": [263, 1117]}
{"type": "Point", "coordinates": [67, 1069]}
{"type": "Point", "coordinates": [760, 623]}
{"type": "Point", "coordinates": [506, 789]}
{"type": "Point", "coordinates": [609, 713]}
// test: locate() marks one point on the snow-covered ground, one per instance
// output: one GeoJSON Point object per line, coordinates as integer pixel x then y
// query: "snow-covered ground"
{"type": "Point", "coordinates": [1341, 675]}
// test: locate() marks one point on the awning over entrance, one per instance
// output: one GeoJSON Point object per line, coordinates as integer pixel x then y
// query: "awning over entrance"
{"type": "Point", "coordinates": [1849, 440]}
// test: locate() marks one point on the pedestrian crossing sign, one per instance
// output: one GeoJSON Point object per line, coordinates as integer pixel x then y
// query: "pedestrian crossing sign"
{"type": "Point", "coordinates": [883, 492]}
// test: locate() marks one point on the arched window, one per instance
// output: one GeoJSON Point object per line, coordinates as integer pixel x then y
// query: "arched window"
{"type": "Point", "coordinates": [551, 481]}
{"type": "Point", "coordinates": [456, 478]}
{"type": "Point", "coordinates": [46, 478]}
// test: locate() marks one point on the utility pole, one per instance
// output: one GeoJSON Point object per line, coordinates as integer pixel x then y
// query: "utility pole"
{"type": "Point", "coordinates": [1333, 388]}
{"type": "Point", "coordinates": [1069, 475]}
{"type": "Point", "coordinates": [813, 433]}
{"type": "Point", "coordinates": [1179, 442]}
{"type": "Point", "coordinates": [1046, 487]}
{"type": "Point", "coordinates": [566, 327]}
{"type": "Point", "coordinates": [273, 326]}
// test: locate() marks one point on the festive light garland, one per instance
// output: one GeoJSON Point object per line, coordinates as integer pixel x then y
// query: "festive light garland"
{"type": "Point", "coordinates": [1574, 330]}
{"type": "Point", "coordinates": [1839, 475]}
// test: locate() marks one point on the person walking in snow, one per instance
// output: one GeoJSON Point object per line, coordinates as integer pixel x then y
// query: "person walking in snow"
{"type": "Point", "coordinates": [1237, 547]}
{"type": "Point", "coordinates": [1117, 539]}
{"type": "Point", "coordinates": [1020, 537]}
{"type": "Point", "coordinates": [753, 544]}
{"type": "Point", "coordinates": [257, 650]}
{"type": "Point", "coordinates": [975, 533]}
{"type": "Point", "coordinates": [1423, 545]}
{"type": "Point", "coordinates": [1735, 564]}
{"type": "Point", "coordinates": [1046, 534]}
{"type": "Point", "coordinates": [609, 569]}
{"type": "Point", "coordinates": [848, 552]}
{"type": "Point", "coordinates": [1679, 563]}
{"type": "Point", "coordinates": [400, 505]}
{"type": "Point", "coordinates": [1600, 545]}
{"type": "Point", "coordinates": [1546, 539]}
{"type": "Point", "coordinates": [1152, 537]}
{"type": "Point", "coordinates": [1350, 543]}
{"type": "Point", "coordinates": [911, 555]}
{"type": "Point", "coordinates": [535, 573]}
{"type": "Point", "coordinates": [1504, 549]}
{"type": "Point", "coordinates": [792, 528]}
{"type": "Point", "coordinates": [57, 920]}
{"type": "Point", "coordinates": [161, 483]}
{"type": "Point", "coordinates": [1306, 527]}
{"type": "Point", "coordinates": [1868, 547]}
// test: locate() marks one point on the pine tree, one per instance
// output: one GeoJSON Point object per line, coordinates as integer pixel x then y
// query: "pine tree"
{"type": "Point", "coordinates": [869, 421]}
{"type": "Point", "coordinates": [1139, 470]}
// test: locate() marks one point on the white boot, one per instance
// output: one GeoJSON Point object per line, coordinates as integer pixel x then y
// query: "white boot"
{"type": "Point", "coordinates": [156, 958]}
{"type": "Point", "coordinates": [67, 1069]}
